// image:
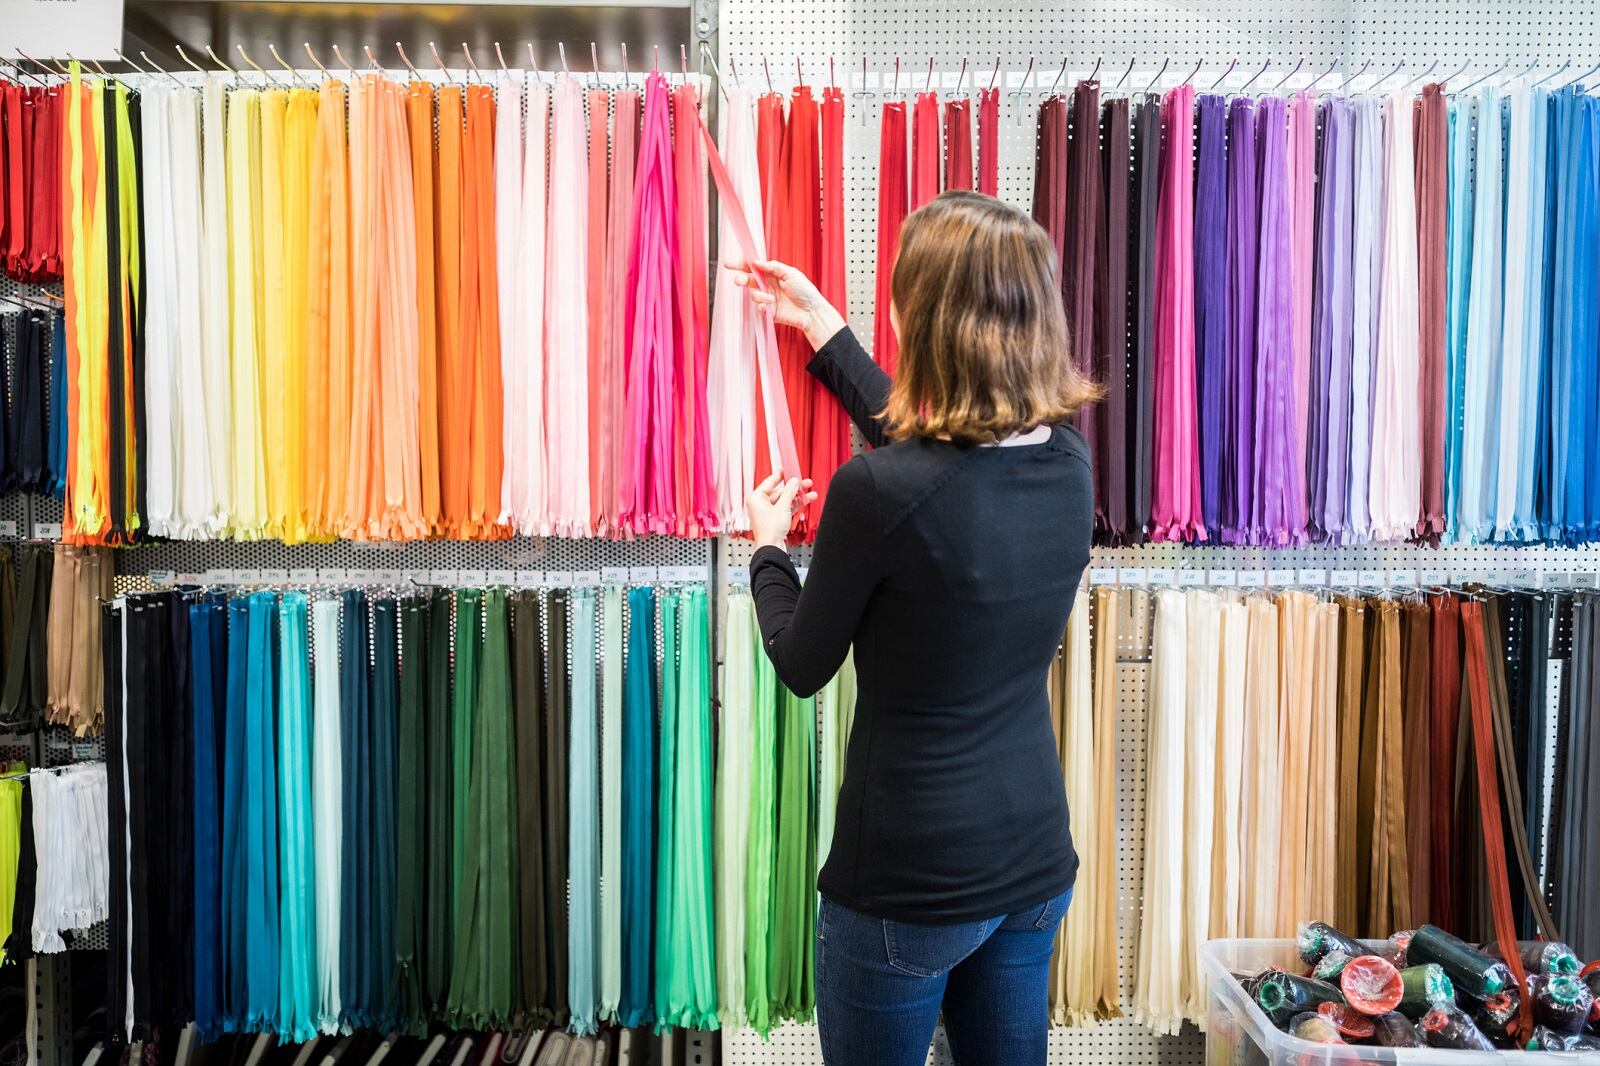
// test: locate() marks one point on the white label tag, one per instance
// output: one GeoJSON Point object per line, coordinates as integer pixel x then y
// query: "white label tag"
{"type": "Point", "coordinates": [586, 579]}
{"type": "Point", "coordinates": [1313, 576]}
{"type": "Point", "coordinates": [306, 575]}
{"type": "Point", "coordinates": [739, 575]}
{"type": "Point", "coordinates": [1103, 575]}
{"type": "Point", "coordinates": [1435, 577]}
{"type": "Point", "coordinates": [1162, 575]}
{"type": "Point", "coordinates": [685, 574]}
{"type": "Point", "coordinates": [1252, 579]}
{"type": "Point", "coordinates": [642, 575]}
{"type": "Point", "coordinates": [47, 531]}
{"type": "Point", "coordinates": [1133, 575]}
{"type": "Point", "coordinates": [1281, 578]}
{"type": "Point", "coordinates": [502, 577]}
{"type": "Point", "coordinates": [1523, 579]}
{"type": "Point", "coordinates": [1374, 579]}
{"type": "Point", "coordinates": [447, 578]}
{"type": "Point", "coordinates": [1345, 578]}
{"type": "Point", "coordinates": [361, 575]}
{"type": "Point", "coordinates": [219, 576]}
{"type": "Point", "coordinates": [333, 575]}
{"type": "Point", "coordinates": [1494, 577]}
{"type": "Point", "coordinates": [163, 578]}
{"type": "Point", "coordinates": [8, 528]}
{"type": "Point", "coordinates": [191, 579]}
{"type": "Point", "coordinates": [474, 578]}
{"type": "Point", "coordinates": [417, 577]}
{"type": "Point", "coordinates": [1586, 580]}
{"type": "Point", "coordinates": [274, 576]}
{"type": "Point", "coordinates": [614, 575]}
{"type": "Point", "coordinates": [558, 579]}
{"type": "Point", "coordinates": [1403, 578]}
{"type": "Point", "coordinates": [1191, 577]}
{"type": "Point", "coordinates": [1223, 578]}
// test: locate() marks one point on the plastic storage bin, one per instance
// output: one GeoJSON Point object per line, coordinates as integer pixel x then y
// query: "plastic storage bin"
{"type": "Point", "coordinates": [1239, 1034]}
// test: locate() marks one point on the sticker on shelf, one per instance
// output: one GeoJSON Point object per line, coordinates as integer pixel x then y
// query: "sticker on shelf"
{"type": "Point", "coordinates": [558, 579]}
{"type": "Point", "coordinates": [417, 577]}
{"type": "Point", "coordinates": [530, 579]}
{"type": "Point", "coordinates": [1434, 578]}
{"type": "Point", "coordinates": [191, 579]}
{"type": "Point", "coordinates": [448, 578]}
{"type": "Point", "coordinates": [1344, 578]}
{"type": "Point", "coordinates": [1523, 579]}
{"type": "Point", "coordinates": [361, 575]}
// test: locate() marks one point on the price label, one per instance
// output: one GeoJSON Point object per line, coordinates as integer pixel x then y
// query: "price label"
{"type": "Point", "coordinates": [219, 576]}
{"type": "Point", "coordinates": [386, 577]}
{"type": "Point", "coordinates": [1523, 579]}
{"type": "Point", "coordinates": [1404, 578]}
{"type": "Point", "coordinates": [306, 575]}
{"type": "Point", "coordinates": [502, 577]}
{"type": "Point", "coordinates": [1374, 579]}
{"type": "Point", "coordinates": [274, 576]}
{"type": "Point", "coordinates": [1133, 575]}
{"type": "Point", "coordinates": [1435, 577]}
{"type": "Point", "coordinates": [47, 531]}
{"type": "Point", "coordinates": [474, 578]}
{"type": "Point", "coordinates": [642, 575]}
{"type": "Point", "coordinates": [1586, 580]}
{"type": "Point", "coordinates": [586, 579]}
{"type": "Point", "coordinates": [1494, 577]}
{"type": "Point", "coordinates": [1191, 577]}
{"type": "Point", "coordinates": [558, 579]}
{"type": "Point", "coordinates": [1223, 578]}
{"type": "Point", "coordinates": [1281, 578]}
{"type": "Point", "coordinates": [191, 579]}
{"type": "Point", "coordinates": [739, 575]}
{"type": "Point", "coordinates": [1161, 575]}
{"type": "Point", "coordinates": [614, 575]}
{"type": "Point", "coordinates": [1252, 579]}
{"type": "Point", "coordinates": [162, 579]}
{"type": "Point", "coordinates": [447, 578]}
{"type": "Point", "coordinates": [1103, 575]}
{"type": "Point", "coordinates": [83, 749]}
{"type": "Point", "coordinates": [1313, 576]}
{"type": "Point", "coordinates": [1345, 578]}
{"type": "Point", "coordinates": [8, 528]}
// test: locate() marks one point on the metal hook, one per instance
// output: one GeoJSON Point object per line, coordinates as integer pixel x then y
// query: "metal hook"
{"type": "Point", "coordinates": [1398, 68]}
{"type": "Point", "coordinates": [1344, 84]}
{"type": "Point", "coordinates": [500, 57]}
{"type": "Point", "coordinates": [961, 80]}
{"type": "Point", "coordinates": [1224, 77]}
{"type": "Point", "coordinates": [1246, 86]}
{"type": "Point", "coordinates": [768, 72]}
{"type": "Point", "coordinates": [561, 48]}
{"type": "Point", "coordinates": [927, 84]}
{"type": "Point", "coordinates": [992, 78]}
{"type": "Point", "coordinates": [252, 64]}
{"type": "Point", "coordinates": [1552, 74]}
{"type": "Point", "coordinates": [1291, 74]}
{"type": "Point", "coordinates": [1582, 77]}
{"type": "Point", "coordinates": [895, 92]}
{"type": "Point", "coordinates": [1421, 76]}
{"type": "Point", "coordinates": [295, 74]}
{"type": "Point", "coordinates": [799, 75]}
{"type": "Point", "coordinates": [219, 62]}
{"type": "Point", "coordinates": [1021, 91]}
{"type": "Point", "coordinates": [831, 83]}
{"type": "Point", "coordinates": [683, 63]}
{"type": "Point", "coordinates": [1196, 70]}
{"type": "Point", "coordinates": [313, 56]}
{"type": "Point", "coordinates": [346, 63]}
{"type": "Point", "coordinates": [1059, 73]}
{"type": "Point", "coordinates": [439, 62]}
{"type": "Point", "coordinates": [23, 72]}
{"type": "Point", "coordinates": [1118, 87]}
{"type": "Point", "coordinates": [372, 60]}
{"type": "Point", "coordinates": [95, 63]}
{"type": "Point", "coordinates": [154, 66]}
{"type": "Point", "coordinates": [398, 47]}
{"type": "Point", "coordinates": [655, 58]}
{"type": "Point", "coordinates": [705, 52]}
{"type": "Point", "coordinates": [1157, 78]}
{"type": "Point", "coordinates": [1458, 73]}
{"type": "Point", "coordinates": [1531, 68]}
{"type": "Point", "coordinates": [1093, 74]}
{"type": "Point", "coordinates": [1331, 68]}
{"type": "Point", "coordinates": [628, 74]}
{"type": "Point", "coordinates": [476, 73]}
{"type": "Point", "coordinates": [1489, 75]}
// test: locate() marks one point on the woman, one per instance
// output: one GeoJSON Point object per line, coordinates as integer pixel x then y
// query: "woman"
{"type": "Point", "coordinates": [948, 556]}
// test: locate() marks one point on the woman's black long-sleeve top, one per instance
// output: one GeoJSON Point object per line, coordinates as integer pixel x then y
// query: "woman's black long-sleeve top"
{"type": "Point", "coordinates": [952, 570]}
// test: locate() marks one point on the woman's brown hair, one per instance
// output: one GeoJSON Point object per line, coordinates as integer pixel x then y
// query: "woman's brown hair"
{"type": "Point", "coordinates": [983, 336]}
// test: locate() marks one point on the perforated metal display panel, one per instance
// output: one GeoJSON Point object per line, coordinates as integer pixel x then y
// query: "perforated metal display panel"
{"type": "Point", "coordinates": [1147, 33]}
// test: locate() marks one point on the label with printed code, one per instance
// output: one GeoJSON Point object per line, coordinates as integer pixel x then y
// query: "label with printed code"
{"type": "Point", "coordinates": [502, 577]}
{"type": "Point", "coordinates": [1281, 578]}
{"type": "Point", "coordinates": [614, 575]}
{"type": "Point", "coordinates": [1223, 578]}
{"type": "Point", "coordinates": [1522, 578]}
{"type": "Point", "coordinates": [474, 578]}
{"type": "Point", "coordinates": [1374, 579]}
{"type": "Point", "coordinates": [1133, 575]}
{"type": "Point", "coordinates": [361, 575]}
{"type": "Point", "coordinates": [306, 575]}
{"type": "Point", "coordinates": [1103, 575]}
{"type": "Point", "coordinates": [1403, 578]}
{"type": "Point", "coordinates": [163, 578]}
{"type": "Point", "coordinates": [274, 575]}
{"type": "Point", "coordinates": [333, 575]}
{"type": "Point", "coordinates": [1252, 579]}
{"type": "Point", "coordinates": [739, 575]}
{"type": "Point", "coordinates": [448, 578]}
{"type": "Point", "coordinates": [8, 528]}
{"type": "Point", "coordinates": [1191, 577]}
{"type": "Point", "coordinates": [586, 579]}
{"type": "Point", "coordinates": [1345, 578]}
{"type": "Point", "coordinates": [47, 531]}
{"type": "Point", "coordinates": [1163, 575]}
{"type": "Point", "coordinates": [1313, 576]}
{"type": "Point", "coordinates": [1435, 577]}
{"type": "Point", "coordinates": [558, 579]}
{"type": "Point", "coordinates": [642, 574]}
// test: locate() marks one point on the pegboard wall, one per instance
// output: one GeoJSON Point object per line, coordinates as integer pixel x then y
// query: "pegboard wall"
{"type": "Point", "coordinates": [1156, 43]}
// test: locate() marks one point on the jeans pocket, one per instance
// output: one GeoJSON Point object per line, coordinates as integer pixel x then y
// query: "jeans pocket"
{"type": "Point", "coordinates": [930, 950]}
{"type": "Point", "coordinates": [1051, 913]}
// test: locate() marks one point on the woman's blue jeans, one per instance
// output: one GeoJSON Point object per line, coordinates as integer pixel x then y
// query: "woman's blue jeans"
{"type": "Point", "coordinates": [882, 985]}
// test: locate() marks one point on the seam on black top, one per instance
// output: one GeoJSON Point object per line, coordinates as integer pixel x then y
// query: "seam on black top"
{"type": "Point", "coordinates": [910, 507]}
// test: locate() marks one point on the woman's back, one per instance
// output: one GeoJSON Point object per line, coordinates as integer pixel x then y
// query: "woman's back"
{"type": "Point", "coordinates": [952, 569]}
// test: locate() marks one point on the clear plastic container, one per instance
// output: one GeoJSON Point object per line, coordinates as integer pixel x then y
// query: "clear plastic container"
{"type": "Point", "coordinates": [1239, 1034]}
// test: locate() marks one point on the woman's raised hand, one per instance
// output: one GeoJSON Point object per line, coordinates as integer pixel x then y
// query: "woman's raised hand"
{"type": "Point", "coordinates": [790, 297]}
